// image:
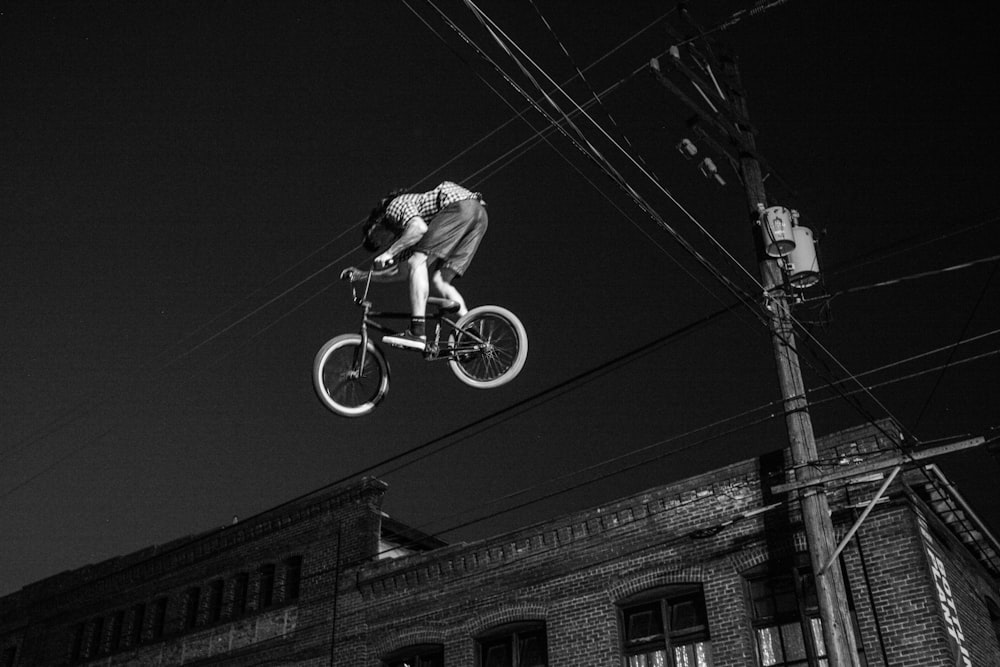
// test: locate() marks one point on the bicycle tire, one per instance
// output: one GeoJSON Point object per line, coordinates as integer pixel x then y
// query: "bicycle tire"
{"type": "Point", "coordinates": [333, 379]}
{"type": "Point", "coordinates": [502, 353]}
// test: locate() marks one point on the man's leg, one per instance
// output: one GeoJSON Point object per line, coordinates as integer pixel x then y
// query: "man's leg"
{"type": "Point", "coordinates": [419, 289]}
{"type": "Point", "coordinates": [442, 285]}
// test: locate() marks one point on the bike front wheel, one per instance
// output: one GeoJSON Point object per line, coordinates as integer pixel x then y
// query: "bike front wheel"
{"type": "Point", "coordinates": [489, 347]}
{"type": "Point", "coordinates": [343, 383]}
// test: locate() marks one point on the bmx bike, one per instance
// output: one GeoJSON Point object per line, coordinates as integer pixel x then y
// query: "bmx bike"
{"type": "Point", "coordinates": [485, 348]}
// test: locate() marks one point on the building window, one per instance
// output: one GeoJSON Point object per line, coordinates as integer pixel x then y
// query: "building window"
{"type": "Point", "coordinates": [215, 592]}
{"type": "Point", "coordinates": [93, 645]}
{"type": "Point", "coordinates": [293, 578]}
{"type": "Point", "coordinates": [76, 643]}
{"type": "Point", "coordinates": [115, 632]}
{"type": "Point", "coordinates": [138, 619]}
{"type": "Point", "coordinates": [786, 621]}
{"type": "Point", "coordinates": [159, 620]}
{"type": "Point", "coordinates": [425, 655]}
{"type": "Point", "coordinates": [666, 627]}
{"type": "Point", "coordinates": [191, 600]}
{"type": "Point", "coordinates": [265, 594]}
{"type": "Point", "coordinates": [515, 645]}
{"type": "Point", "coordinates": [241, 584]}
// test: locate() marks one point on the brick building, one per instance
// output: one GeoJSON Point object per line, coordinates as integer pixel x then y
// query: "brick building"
{"type": "Point", "coordinates": [710, 570]}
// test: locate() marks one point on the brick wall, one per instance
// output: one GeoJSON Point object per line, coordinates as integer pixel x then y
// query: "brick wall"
{"type": "Point", "coordinates": [570, 573]}
{"type": "Point", "coordinates": [74, 617]}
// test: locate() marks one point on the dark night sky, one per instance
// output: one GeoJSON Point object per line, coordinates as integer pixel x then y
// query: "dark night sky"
{"type": "Point", "coordinates": [180, 185]}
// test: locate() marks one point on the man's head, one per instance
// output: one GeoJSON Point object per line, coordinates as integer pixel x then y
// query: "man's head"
{"type": "Point", "coordinates": [377, 233]}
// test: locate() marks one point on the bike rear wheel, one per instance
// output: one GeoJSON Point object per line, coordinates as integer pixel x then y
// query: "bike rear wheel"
{"type": "Point", "coordinates": [342, 386]}
{"type": "Point", "coordinates": [489, 347]}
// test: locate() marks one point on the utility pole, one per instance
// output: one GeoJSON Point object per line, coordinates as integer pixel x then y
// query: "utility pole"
{"type": "Point", "coordinates": [838, 633]}
{"type": "Point", "coordinates": [726, 111]}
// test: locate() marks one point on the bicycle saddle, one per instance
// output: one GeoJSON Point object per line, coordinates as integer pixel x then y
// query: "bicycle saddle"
{"type": "Point", "coordinates": [444, 305]}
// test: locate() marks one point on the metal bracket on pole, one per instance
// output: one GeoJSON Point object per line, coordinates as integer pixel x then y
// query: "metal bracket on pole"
{"type": "Point", "coordinates": [883, 463]}
{"type": "Point", "coordinates": [861, 519]}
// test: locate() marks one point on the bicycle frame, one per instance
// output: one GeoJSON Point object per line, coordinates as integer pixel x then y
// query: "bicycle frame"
{"type": "Point", "coordinates": [485, 348]}
{"type": "Point", "coordinates": [435, 351]}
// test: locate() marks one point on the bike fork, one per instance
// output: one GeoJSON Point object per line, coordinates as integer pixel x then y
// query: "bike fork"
{"type": "Point", "coordinates": [362, 355]}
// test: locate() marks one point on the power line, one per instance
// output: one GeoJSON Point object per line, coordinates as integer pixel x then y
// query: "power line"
{"type": "Point", "coordinates": [494, 30]}
{"type": "Point", "coordinates": [897, 281]}
{"type": "Point", "coordinates": [949, 364]}
{"type": "Point", "coordinates": [84, 411]}
{"type": "Point", "coordinates": [497, 32]}
{"type": "Point", "coordinates": [961, 335]}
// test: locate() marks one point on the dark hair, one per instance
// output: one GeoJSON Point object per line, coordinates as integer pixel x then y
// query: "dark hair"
{"type": "Point", "coordinates": [378, 235]}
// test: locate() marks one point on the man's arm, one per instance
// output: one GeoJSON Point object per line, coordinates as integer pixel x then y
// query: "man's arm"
{"type": "Point", "coordinates": [413, 232]}
{"type": "Point", "coordinates": [394, 273]}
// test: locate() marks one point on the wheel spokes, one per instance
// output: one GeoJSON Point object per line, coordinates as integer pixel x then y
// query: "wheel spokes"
{"type": "Point", "coordinates": [494, 348]}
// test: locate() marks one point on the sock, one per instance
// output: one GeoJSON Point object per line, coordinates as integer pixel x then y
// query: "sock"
{"type": "Point", "coordinates": [418, 326]}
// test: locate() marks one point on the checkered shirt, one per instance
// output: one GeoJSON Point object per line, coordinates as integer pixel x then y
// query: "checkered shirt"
{"type": "Point", "coordinates": [426, 204]}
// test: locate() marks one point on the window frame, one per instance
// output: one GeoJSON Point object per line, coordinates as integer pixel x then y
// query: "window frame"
{"type": "Point", "coordinates": [115, 630]}
{"type": "Point", "coordinates": [192, 602]}
{"type": "Point", "coordinates": [513, 635]}
{"type": "Point", "coordinates": [266, 576]}
{"type": "Point", "coordinates": [158, 621]}
{"type": "Point", "coordinates": [665, 601]}
{"type": "Point", "coordinates": [138, 619]}
{"type": "Point", "coordinates": [805, 615]}
{"type": "Point", "coordinates": [241, 595]}
{"type": "Point", "coordinates": [292, 567]}
{"type": "Point", "coordinates": [416, 655]}
{"type": "Point", "coordinates": [216, 594]}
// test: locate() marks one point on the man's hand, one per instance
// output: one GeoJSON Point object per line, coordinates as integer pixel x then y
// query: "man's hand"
{"type": "Point", "coordinates": [350, 273]}
{"type": "Point", "coordinates": [383, 260]}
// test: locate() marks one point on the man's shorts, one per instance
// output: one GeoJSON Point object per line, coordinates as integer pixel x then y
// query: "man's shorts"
{"type": "Point", "coordinates": [453, 235]}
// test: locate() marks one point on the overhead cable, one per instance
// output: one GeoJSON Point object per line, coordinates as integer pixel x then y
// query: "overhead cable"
{"type": "Point", "coordinates": [495, 30]}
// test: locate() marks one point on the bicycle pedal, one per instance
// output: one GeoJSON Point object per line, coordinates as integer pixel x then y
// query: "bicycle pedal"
{"type": "Point", "coordinates": [412, 348]}
{"type": "Point", "coordinates": [404, 342]}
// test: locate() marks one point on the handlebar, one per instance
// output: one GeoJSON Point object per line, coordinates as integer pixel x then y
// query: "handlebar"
{"type": "Point", "coordinates": [350, 274]}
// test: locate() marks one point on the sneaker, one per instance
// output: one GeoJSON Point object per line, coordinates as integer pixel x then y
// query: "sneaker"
{"type": "Point", "coordinates": [407, 340]}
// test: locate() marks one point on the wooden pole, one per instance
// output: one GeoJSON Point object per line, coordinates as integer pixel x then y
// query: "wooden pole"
{"type": "Point", "coordinates": [838, 632]}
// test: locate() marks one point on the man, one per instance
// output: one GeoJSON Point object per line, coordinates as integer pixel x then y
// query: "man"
{"type": "Point", "coordinates": [434, 236]}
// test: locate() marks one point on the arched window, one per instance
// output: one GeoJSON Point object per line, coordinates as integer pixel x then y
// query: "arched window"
{"type": "Point", "coordinates": [216, 590]}
{"type": "Point", "coordinates": [76, 643]}
{"type": "Point", "coordinates": [785, 613]}
{"type": "Point", "coordinates": [136, 626]}
{"type": "Point", "coordinates": [158, 624]}
{"type": "Point", "coordinates": [92, 646]}
{"type": "Point", "coordinates": [265, 592]}
{"type": "Point", "coordinates": [241, 584]}
{"type": "Point", "coordinates": [192, 599]}
{"type": "Point", "coordinates": [513, 645]}
{"type": "Point", "coordinates": [666, 626]}
{"type": "Point", "coordinates": [423, 655]}
{"type": "Point", "coordinates": [115, 632]}
{"type": "Point", "coordinates": [293, 578]}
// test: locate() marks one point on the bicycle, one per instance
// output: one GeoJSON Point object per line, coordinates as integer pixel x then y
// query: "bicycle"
{"type": "Point", "coordinates": [486, 348]}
